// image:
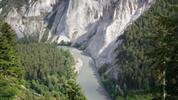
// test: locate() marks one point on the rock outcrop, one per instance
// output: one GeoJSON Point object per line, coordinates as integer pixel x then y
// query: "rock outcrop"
{"type": "Point", "coordinates": [95, 24]}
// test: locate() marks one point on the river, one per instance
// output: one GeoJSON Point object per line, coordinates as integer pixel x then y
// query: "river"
{"type": "Point", "coordinates": [88, 77]}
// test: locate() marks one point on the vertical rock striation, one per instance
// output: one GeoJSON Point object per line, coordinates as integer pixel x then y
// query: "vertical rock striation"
{"type": "Point", "coordinates": [96, 24]}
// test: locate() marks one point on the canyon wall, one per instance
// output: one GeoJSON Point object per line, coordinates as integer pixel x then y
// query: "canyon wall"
{"type": "Point", "coordinates": [94, 24]}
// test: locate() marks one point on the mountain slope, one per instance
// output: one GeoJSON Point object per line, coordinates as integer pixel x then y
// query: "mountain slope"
{"type": "Point", "coordinates": [135, 72]}
{"type": "Point", "coordinates": [93, 24]}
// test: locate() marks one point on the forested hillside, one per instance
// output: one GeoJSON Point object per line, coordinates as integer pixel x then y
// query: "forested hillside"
{"type": "Point", "coordinates": [11, 70]}
{"type": "Point", "coordinates": [35, 71]}
{"type": "Point", "coordinates": [146, 66]}
{"type": "Point", "coordinates": [147, 59]}
{"type": "Point", "coordinates": [49, 72]}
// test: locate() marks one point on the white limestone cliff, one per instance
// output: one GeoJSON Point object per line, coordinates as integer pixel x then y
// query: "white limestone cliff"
{"type": "Point", "coordinates": [97, 24]}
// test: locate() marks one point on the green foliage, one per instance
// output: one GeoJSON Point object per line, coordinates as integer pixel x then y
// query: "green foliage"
{"type": "Point", "coordinates": [45, 35]}
{"type": "Point", "coordinates": [11, 71]}
{"type": "Point", "coordinates": [73, 90]}
{"type": "Point", "coordinates": [6, 91]}
{"type": "Point", "coordinates": [49, 71]}
{"type": "Point", "coordinates": [165, 55]}
{"type": "Point", "coordinates": [27, 39]}
{"type": "Point", "coordinates": [80, 46]}
{"type": "Point", "coordinates": [135, 97]}
{"type": "Point", "coordinates": [63, 43]}
{"type": "Point", "coordinates": [49, 74]}
{"type": "Point", "coordinates": [9, 63]}
{"type": "Point", "coordinates": [138, 71]}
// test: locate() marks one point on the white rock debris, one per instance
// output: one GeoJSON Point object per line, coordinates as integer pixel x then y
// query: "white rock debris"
{"type": "Point", "coordinates": [97, 24]}
{"type": "Point", "coordinates": [78, 65]}
{"type": "Point", "coordinates": [0, 9]}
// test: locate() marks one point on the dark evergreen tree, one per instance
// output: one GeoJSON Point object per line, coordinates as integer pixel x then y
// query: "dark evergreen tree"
{"type": "Point", "coordinates": [140, 74]}
{"type": "Point", "coordinates": [49, 72]}
{"type": "Point", "coordinates": [11, 71]}
{"type": "Point", "coordinates": [165, 56]}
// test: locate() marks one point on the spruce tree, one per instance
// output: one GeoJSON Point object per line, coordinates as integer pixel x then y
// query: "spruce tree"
{"type": "Point", "coordinates": [165, 56]}
{"type": "Point", "coordinates": [11, 71]}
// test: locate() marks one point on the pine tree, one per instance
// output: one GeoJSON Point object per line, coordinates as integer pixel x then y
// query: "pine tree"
{"type": "Point", "coordinates": [11, 71]}
{"type": "Point", "coordinates": [165, 56]}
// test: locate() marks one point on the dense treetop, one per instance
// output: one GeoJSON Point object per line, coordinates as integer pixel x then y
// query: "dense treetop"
{"type": "Point", "coordinates": [11, 70]}
{"type": "Point", "coordinates": [146, 44]}
{"type": "Point", "coordinates": [35, 71]}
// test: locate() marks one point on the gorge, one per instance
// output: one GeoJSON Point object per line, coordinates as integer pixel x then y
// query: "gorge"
{"type": "Point", "coordinates": [79, 49]}
{"type": "Point", "coordinates": [88, 77]}
{"type": "Point", "coordinates": [94, 24]}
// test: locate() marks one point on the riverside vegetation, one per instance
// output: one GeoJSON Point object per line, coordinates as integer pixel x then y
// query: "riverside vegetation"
{"type": "Point", "coordinates": [148, 57]}
{"type": "Point", "coordinates": [147, 61]}
{"type": "Point", "coordinates": [35, 71]}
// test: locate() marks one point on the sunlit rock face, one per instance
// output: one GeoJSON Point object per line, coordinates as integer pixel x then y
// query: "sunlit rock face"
{"type": "Point", "coordinates": [96, 24]}
{"type": "Point", "coordinates": [31, 18]}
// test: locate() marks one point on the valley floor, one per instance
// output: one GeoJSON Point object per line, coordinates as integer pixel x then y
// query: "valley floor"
{"type": "Point", "coordinates": [88, 77]}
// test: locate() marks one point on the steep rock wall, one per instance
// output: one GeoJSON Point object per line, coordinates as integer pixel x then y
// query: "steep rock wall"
{"type": "Point", "coordinates": [96, 24]}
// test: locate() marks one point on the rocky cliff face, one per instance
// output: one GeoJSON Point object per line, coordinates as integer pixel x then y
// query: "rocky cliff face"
{"type": "Point", "coordinates": [96, 24]}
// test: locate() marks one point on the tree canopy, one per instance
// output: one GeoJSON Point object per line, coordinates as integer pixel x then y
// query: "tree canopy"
{"type": "Point", "coordinates": [11, 71]}
{"type": "Point", "coordinates": [148, 49]}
